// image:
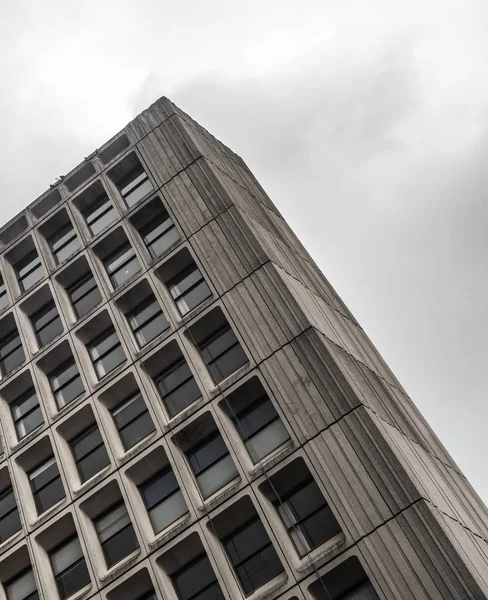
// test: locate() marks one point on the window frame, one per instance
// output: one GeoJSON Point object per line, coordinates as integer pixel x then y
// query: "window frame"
{"type": "Point", "coordinates": [179, 297]}
{"type": "Point", "coordinates": [98, 203]}
{"type": "Point", "coordinates": [4, 341]}
{"type": "Point", "coordinates": [4, 514]}
{"type": "Point", "coordinates": [54, 374]}
{"type": "Point", "coordinates": [127, 190]}
{"type": "Point", "coordinates": [64, 231]}
{"type": "Point", "coordinates": [170, 370]}
{"type": "Point", "coordinates": [79, 439]}
{"type": "Point", "coordinates": [128, 525]}
{"type": "Point", "coordinates": [70, 568]}
{"type": "Point", "coordinates": [4, 297]}
{"type": "Point", "coordinates": [40, 314]}
{"type": "Point", "coordinates": [34, 595]}
{"type": "Point", "coordinates": [148, 229]}
{"type": "Point", "coordinates": [115, 256]}
{"type": "Point", "coordinates": [183, 571]}
{"type": "Point", "coordinates": [30, 258]}
{"type": "Point", "coordinates": [55, 480]}
{"type": "Point", "coordinates": [139, 309]}
{"type": "Point", "coordinates": [212, 361]}
{"type": "Point", "coordinates": [121, 407]}
{"type": "Point", "coordinates": [25, 396]}
{"type": "Point", "coordinates": [76, 286]}
{"type": "Point", "coordinates": [97, 362]}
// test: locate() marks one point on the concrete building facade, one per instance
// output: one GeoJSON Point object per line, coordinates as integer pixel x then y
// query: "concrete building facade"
{"type": "Point", "coordinates": [189, 411]}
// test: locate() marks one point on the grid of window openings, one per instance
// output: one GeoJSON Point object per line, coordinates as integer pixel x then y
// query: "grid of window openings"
{"type": "Point", "coordinates": [138, 414]}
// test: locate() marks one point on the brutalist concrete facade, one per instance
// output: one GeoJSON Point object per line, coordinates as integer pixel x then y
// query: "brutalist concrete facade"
{"type": "Point", "coordinates": [405, 522]}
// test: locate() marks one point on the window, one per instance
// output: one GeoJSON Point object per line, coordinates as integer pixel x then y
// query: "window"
{"type": "Point", "coordinates": [307, 516]}
{"type": "Point", "coordinates": [66, 383]}
{"type": "Point", "coordinates": [46, 485]}
{"type": "Point", "coordinates": [64, 242]}
{"type": "Point", "coordinates": [116, 534]}
{"type": "Point", "coordinates": [347, 581]}
{"type": "Point", "coordinates": [99, 214]}
{"type": "Point", "coordinates": [26, 413]}
{"type": "Point", "coordinates": [106, 352]}
{"type": "Point", "coordinates": [156, 228]}
{"type": "Point", "coordinates": [89, 453]}
{"type": "Point", "coordinates": [189, 289]}
{"type": "Point", "coordinates": [133, 421]}
{"type": "Point", "coordinates": [223, 353]}
{"type": "Point", "coordinates": [177, 387]}
{"type": "Point", "coordinates": [84, 294]}
{"type": "Point", "coordinates": [364, 591]}
{"type": "Point", "coordinates": [197, 581]}
{"type": "Point", "coordinates": [29, 271]}
{"type": "Point", "coordinates": [252, 555]}
{"type": "Point", "coordinates": [148, 596]}
{"type": "Point", "coordinates": [147, 321]}
{"type": "Point", "coordinates": [4, 301]}
{"type": "Point", "coordinates": [22, 587]}
{"type": "Point", "coordinates": [9, 515]}
{"type": "Point", "coordinates": [46, 323]}
{"type": "Point", "coordinates": [212, 464]}
{"type": "Point", "coordinates": [163, 499]}
{"type": "Point", "coordinates": [122, 264]}
{"type": "Point", "coordinates": [134, 186]}
{"type": "Point", "coordinates": [11, 352]}
{"type": "Point", "coordinates": [69, 567]}
{"type": "Point", "coordinates": [260, 428]}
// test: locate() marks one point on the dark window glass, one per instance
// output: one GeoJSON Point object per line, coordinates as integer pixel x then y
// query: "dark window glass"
{"type": "Point", "coordinates": [46, 485]}
{"type": "Point", "coordinates": [307, 516]}
{"type": "Point", "coordinates": [89, 453]}
{"type": "Point", "coordinates": [212, 464]}
{"type": "Point", "coordinates": [159, 234]}
{"type": "Point", "coordinates": [4, 301]}
{"type": "Point", "coordinates": [163, 499]}
{"type": "Point", "coordinates": [84, 294]}
{"type": "Point", "coordinates": [133, 421]}
{"type": "Point", "coordinates": [46, 323]}
{"type": "Point", "coordinates": [260, 428]}
{"type": "Point", "coordinates": [22, 587]}
{"type": "Point", "coordinates": [177, 387]}
{"type": "Point", "coordinates": [99, 214]}
{"type": "Point", "coordinates": [364, 591]}
{"type": "Point", "coordinates": [26, 413]}
{"type": "Point", "coordinates": [134, 186]}
{"type": "Point", "coordinates": [29, 271]}
{"type": "Point", "coordinates": [106, 352]}
{"type": "Point", "coordinates": [122, 264]}
{"type": "Point", "coordinates": [197, 581]}
{"type": "Point", "coordinates": [11, 352]}
{"type": "Point", "coordinates": [64, 243]}
{"type": "Point", "coordinates": [116, 534]}
{"type": "Point", "coordinates": [148, 596]}
{"type": "Point", "coordinates": [147, 321]}
{"type": "Point", "coordinates": [66, 383]}
{"type": "Point", "coordinates": [223, 353]}
{"type": "Point", "coordinates": [189, 289]}
{"type": "Point", "coordinates": [69, 568]}
{"type": "Point", "coordinates": [9, 515]}
{"type": "Point", "coordinates": [253, 556]}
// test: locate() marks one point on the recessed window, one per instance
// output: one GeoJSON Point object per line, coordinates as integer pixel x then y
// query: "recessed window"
{"type": "Point", "coordinates": [132, 420]}
{"type": "Point", "coordinates": [11, 351]}
{"type": "Point", "coordinates": [163, 499]}
{"type": "Point", "coordinates": [218, 345]}
{"type": "Point", "coordinates": [256, 420]}
{"type": "Point", "coordinates": [197, 581]}
{"type": "Point", "coordinates": [131, 180]}
{"type": "Point", "coordinates": [99, 214]}
{"type": "Point", "coordinates": [29, 271]}
{"type": "Point", "coordinates": [89, 453]}
{"type": "Point", "coordinates": [189, 289]}
{"type": "Point", "coordinates": [4, 301]}
{"type": "Point", "coordinates": [147, 321]}
{"type": "Point", "coordinates": [347, 581]}
{"type": "Point", "coordinates": [46, 323]}
{"type": "Point", "coordinates": [66, 383]}
{"type": "Point", "coordinates": [106, 352]}
{"type": "Point", "coordinates": [252, 555]}
{"type": "Point", "coordinates": [122, 264]}
{"type": "Point", "coordinates": [26, 413]}
{"type": "Point", "coordinates": [9, 515]}
{"type": "Point", "coordinates": [177, 387]}
{"type": "Point", "coordinates": [211, 464]}
{"type": "Point", "coordinates": [156, 228]}
{"type": "Point", "coordinates": [22, 587]}
{"type": "Point", "coordinates": [69, 568]}
{"type": "Point", "coordinates": [46, 485]}
{"type": "Point", "coordinates": [64, 242]}
{"type": "Point", "coordinates": [84, 294]}
{"type": "Point", "coordinates": [116, 534]}
{"type": "Point", "coordinates": [307, 516]}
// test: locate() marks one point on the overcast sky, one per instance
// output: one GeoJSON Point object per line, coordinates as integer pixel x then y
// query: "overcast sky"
{"type": "Point", "coordinates": [366, 122]}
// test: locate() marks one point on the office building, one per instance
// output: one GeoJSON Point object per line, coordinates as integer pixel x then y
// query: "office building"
{"type": "Point", "coordinates": [189, 411]}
